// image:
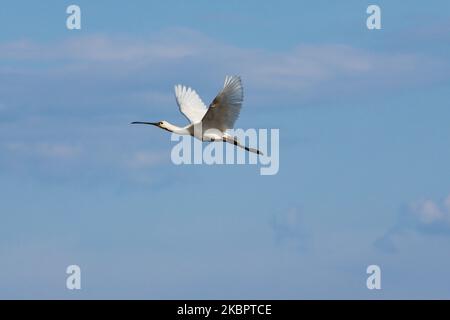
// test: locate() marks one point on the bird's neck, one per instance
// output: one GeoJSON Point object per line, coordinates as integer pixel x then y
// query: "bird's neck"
{"type": "Point", "coordinates": [178, 130]}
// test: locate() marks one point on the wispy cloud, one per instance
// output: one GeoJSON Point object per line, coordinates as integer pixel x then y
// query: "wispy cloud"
{"type": "Point", "coordinates": [426, 217]}
{"type": "Point", "coordinates": [97, 160]}
{"type": "Point", "coordinates": [44, 149]}
{"type": "Point", "coordinates": [289, 229]}
{"type": "Point", "coordinates": [95, 48]}
{"type": "Point", "coordinates": [109, 68]}
{"type": "Point", "coordinates": [96, 84]}
{"type": "Point", "coordinates": [146, 159]}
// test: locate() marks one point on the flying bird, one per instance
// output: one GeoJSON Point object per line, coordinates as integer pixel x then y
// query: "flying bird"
{"type": "Point", "coordinates": [214, 121]}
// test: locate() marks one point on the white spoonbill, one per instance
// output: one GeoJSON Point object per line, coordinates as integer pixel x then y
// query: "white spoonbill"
{"type": "Point", "coordinates": [210, 123]}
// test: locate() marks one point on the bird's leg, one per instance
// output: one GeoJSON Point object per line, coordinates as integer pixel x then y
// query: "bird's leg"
{"type": "Point", "coordinates": [233, 140]}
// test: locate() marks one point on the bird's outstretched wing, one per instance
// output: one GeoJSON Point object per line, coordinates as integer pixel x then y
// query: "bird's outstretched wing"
{"type": "Point", "coordinates": [190, 103]}
{"type": "Point", "coordinates": [224, 110]}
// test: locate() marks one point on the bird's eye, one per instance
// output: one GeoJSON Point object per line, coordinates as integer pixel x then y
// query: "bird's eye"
{"type": "Point", "coordinates": [160, 123]}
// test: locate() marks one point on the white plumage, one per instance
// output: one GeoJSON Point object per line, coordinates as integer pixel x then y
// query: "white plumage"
{"type": "Point", "coordinates": [190, 103]}
{"type": "Point", "coordinates": [221, 115]}
{"type": "Point", "coordinates": [226, 106]}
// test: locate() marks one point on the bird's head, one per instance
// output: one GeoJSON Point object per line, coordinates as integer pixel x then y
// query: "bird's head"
{"type": "Point", "coordinates": [162, 124]}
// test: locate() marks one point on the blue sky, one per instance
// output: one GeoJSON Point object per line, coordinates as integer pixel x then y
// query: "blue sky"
{"type": "Point", "coordinates": [364, 151]}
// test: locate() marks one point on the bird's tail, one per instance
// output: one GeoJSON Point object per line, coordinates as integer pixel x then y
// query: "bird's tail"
{"type": "Point", "coordinates": [233, 140]}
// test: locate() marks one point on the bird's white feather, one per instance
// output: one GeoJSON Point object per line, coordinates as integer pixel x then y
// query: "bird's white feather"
{"type": "Point", "coordinates": [226, 106]}
{"type": "Point", "coordinates": [190, 103]}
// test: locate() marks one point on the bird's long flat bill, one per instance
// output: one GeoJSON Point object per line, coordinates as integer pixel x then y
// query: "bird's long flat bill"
{"type": "Point", "coordinates": [143, 122]}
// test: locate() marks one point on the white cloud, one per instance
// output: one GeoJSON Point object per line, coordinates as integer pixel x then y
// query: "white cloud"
{"type": "Point", "coordinates": [97, 48]}
{"type": "Point", "coordinates": [307, 71]}
{"type": "Point", "coordinates": [146, 159]}
{"type": "Point", "coordinates": [289, 229]}
{"type": "Point", "coordinates": [80, 86]}
{"type": "Point", "coordinates": [97, 158]}
{"type": "Point", "coordinates": [44, 149]}
{"type": "Point", "coordinates": [426, 217]}
{"type": "Point", "coordinates": [428, 212]}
